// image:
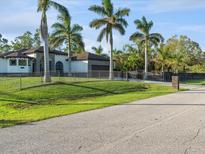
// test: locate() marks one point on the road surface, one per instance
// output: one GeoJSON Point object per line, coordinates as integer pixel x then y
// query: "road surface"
{"type": "Point", "coordinates": [171, 124]}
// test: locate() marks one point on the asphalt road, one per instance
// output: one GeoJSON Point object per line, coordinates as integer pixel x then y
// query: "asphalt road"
{"type": "Point", "coordinates": [172, 124]}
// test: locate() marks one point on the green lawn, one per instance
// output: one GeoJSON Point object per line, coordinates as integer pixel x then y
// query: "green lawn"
{"type": "Point", "coordinates": [195, 82]}
{"type": "Point", "coordinates": [63, 98]}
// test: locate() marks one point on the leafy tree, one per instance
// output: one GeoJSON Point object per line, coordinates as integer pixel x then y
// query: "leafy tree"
{"type": "Point", "coordinates": [98, 50]}
{"type": "Point", "coordinates": [37, 39]}
{"type": "Point", "coordinates": [129, 59]}
{"type": "Point", "coordinates": [185, 53]}
{"type": "Point", "coordinates": [146, 38]}
{"type": "Point", "coordinates": [67, 34]}
{"type": "Point", "coordinates": [4, 46]}
{"type": "Point", "coordinates": [163, 58]}
{"type": "Point", "coordinates": [23, 42]}
{"type": "Point", "coordinates": [199, 68]}
{"type": "Point", "coordinates": [43, 6]}
{"type": "Point", "coordinates": [110, 20]}
{"type": "Point", "coordinates": [135, 58]}
{"type": "Point", "coordinates": [120, 59]}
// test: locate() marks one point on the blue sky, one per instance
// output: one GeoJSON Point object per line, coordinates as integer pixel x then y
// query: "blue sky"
{"type": "Point", "coordinates": [170, 17]}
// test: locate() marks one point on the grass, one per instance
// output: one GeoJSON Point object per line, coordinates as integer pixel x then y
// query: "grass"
{"type": "Point", "coordinates": [195, 82]}
{"type": "Point", "coordinates": [63, 98]}
{"type": "Point", "coordinates": [15, 83]}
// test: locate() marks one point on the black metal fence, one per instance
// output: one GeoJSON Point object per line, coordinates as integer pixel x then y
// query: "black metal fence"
{"type": "Point", "coordinates": [184, 76]}
{"type": "Point", "coordinates": [16, 81]}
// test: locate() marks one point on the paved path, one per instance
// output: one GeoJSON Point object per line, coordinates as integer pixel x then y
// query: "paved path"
{"type": "Point", "coordinates": [172, 124]}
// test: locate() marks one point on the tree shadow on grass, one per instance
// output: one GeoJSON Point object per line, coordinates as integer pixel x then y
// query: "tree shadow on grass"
{"type": "Point", "coordinates": [139, 88]}
{"type": "Point", "coordinates": [7, 94]}
{"type": "Point", "coordinates": [96, 92]}
{"type": "Point", "coordinates": [58, 83]}
{"type": "Point", "coordinates": [7, 123]}
{"type": "Point", "coordinates": [76, 84]}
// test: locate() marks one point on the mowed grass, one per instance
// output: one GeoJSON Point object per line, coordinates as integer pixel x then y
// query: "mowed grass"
{"type": "Point", "coordinates": [63, 98]}
{"type": "Point", "coordinates": [15, 83]}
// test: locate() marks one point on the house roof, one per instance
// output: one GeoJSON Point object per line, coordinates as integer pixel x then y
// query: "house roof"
{"type": "Point", "coordinates": [15, 54]}
{"type": "Point", "coordinates": [40, 50]}
{"type": "Point", "coordinates": [89, 56]}
{"type": "Point", "coordinates": [23, 53]}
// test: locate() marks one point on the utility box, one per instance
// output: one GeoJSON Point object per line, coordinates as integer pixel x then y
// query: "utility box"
{"type": "Point", "coordinates": [175, 82]}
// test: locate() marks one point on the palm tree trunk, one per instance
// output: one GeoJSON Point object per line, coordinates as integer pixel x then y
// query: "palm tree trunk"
{"type": "Point", "coordinates": [69, 56]}
{"type": "Point", "coordinates": [146, 60]}
{"type": "Point", "coordinates": [111, 57]}
{"type": "Point", "coordinates": [44, 36]}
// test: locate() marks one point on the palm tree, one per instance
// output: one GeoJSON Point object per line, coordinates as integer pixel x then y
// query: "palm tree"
{"type": "Point", "coordinates": [65, 33]}
{"type": "Point", "coordinates": [110, 20]}
{"type": "Point", "coordinates": [146, 38]}
{"type": "Point", "coordinates": [43, 6]}
{"type": "Point", "coordinates": [98, 50]}
{"type": "Point", "coordinates": [163, 58]}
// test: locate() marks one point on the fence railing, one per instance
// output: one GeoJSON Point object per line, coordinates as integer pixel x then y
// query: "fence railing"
{"type": "Point", "coordinates": [16, 81]}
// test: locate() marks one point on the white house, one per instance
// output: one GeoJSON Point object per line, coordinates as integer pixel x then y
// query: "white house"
{"type": "Point", "coordinates": [31, 61]}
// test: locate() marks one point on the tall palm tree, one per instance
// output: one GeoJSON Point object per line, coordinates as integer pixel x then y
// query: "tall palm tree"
{"type": "Point", "coordinates": [43, 6]}
{"type": "Point", "coordinates": [110, 20]}
{"type": "Point", "coordinates": [98, 50]}
{"type": "Point", "coordinates": [65, 33]}
{"type": "Point", "coordinates": [146, 38]}
{"type": "Point", "coordinates": [163, 58]}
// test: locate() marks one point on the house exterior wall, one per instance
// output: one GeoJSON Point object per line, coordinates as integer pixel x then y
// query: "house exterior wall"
{"type": "Point", "coordinates": [17, 68]}
{"type": "Point", "coordinates": [3, 65]}
{"type": "Point", "coordinates": [62, 59]}
{"type": "Point", "coordinates": [79, 66]}
{"type": "Point", "coordinates": [39, 62]}
{"type": "Point", "coordinates": [32, 55]}
{"type": "Point", "coordinates": [97, 63]}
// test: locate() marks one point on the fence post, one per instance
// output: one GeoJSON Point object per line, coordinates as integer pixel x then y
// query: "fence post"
{"type": "Point", "coordinates": [175, 82]}
{"type": "Point", "coordinates": [41, 76]}
{"type": "Point", "coordinates": [20, 84]}
{"type": "Point", "coordinates": [99, 74]}
{"type": "Point", "coordinates": [127, 76]}
{"type": "Point", "coordinates": [59, 75]}
{"type": "Point", "coordinates": [87, 75]}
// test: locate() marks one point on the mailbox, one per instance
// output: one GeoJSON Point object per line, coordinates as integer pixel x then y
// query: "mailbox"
{"type": "Point", "coordinates": [175, 82]}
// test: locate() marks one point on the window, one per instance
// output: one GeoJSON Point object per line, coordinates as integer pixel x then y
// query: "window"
{"type": "Point", "coordinates": [29, 62]}
{"type": "Point", "coordinates": [12, 62]}
{"type": "Point", "coordinates": [100, 67]}
{"type": "Point", "coordinates": [22, 62]}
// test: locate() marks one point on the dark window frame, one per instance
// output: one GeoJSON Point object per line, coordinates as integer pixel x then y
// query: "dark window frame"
{"type": "Point", "coordinates": [12, 62]}
{"type": "Point", "coordinates": [22, 60]}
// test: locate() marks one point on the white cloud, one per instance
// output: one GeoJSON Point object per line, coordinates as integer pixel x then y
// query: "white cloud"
{"type": "Point", "coordinates": [90, 39]}
{"type": "Point", "coordinates": [192, 28]}
{"type": "Point", "coordinates": [16, 22]}
{"type": "Point", "coordinates": [157, 6]}
{"type": "Point", "coordinates": [20, 15]}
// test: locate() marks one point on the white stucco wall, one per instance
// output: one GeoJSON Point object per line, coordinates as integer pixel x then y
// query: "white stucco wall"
{"type": "Point", "coordinates": [3, 65]}
{"type": "Point", "coordinates": [79, 66]}
{"type": "Point", "coordinates": [62, 59]}
{"type": "Point", "coordinates": [33, 55]}
{"type": "Point", "coordinates": [17, 68]}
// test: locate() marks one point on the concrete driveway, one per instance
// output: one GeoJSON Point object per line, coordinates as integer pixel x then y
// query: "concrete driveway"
{"type": "Point", "coordinates": [172, 124]}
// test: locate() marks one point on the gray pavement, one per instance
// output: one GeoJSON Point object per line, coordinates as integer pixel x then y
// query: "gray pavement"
{"type": "Point", "coordinates": [171, 124]}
